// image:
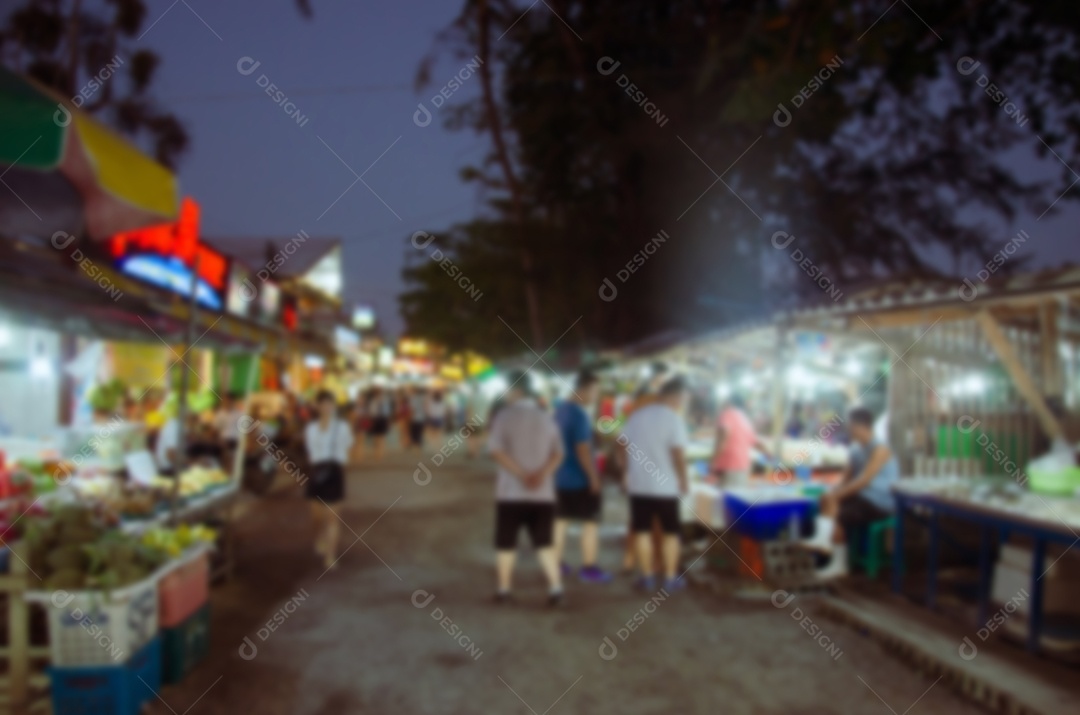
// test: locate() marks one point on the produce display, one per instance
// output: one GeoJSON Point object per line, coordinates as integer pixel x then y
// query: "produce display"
{"type": "Point", "coordinates": [79, 548]}
{"type": "Point", "coordinates": [194, 481]}
{"type": "Point", "coordinates": [76, 548]}
{"type": "Point", "coordinates": [175, 541]}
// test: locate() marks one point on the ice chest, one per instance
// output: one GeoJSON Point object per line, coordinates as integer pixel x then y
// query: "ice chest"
{"type": "Point", "coordinates": [184, 589]}
{"type": "Point", "coordinates": [108, 690]}
{"type": "Point", "coordinates": [185, 645]}
{"type": "Point", "coordinates": [765, 514]}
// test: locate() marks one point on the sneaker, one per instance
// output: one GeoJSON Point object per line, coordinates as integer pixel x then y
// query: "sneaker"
{"type": "Point", "coordinates": [645, 583]}
{"type": "Point", "coordinates": [671, 585]}
{"type": "Point", "coordinates": [503, 598]}
{"type": "Point", "coordinates": [556, 600]}
{"type": "Point", "coordinates": [594, 574]}
{"type": "Point", "coordinates": [837, 568]}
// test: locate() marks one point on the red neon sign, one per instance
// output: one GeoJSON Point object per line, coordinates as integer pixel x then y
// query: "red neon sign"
{"type": "Point", "coordinates": [176, 240]}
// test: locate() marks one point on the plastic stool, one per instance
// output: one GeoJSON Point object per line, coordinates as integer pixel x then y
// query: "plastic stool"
{"type": "Point", "coordinates": [866, 546]}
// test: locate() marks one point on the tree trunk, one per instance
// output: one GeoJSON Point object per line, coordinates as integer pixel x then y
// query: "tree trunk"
{"type": "Point", "coordinates": [532, 303]}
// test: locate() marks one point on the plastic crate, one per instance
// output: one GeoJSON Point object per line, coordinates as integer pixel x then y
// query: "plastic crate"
{"type": "Point", "coordinates": [185, 646]}
{"type": "Point", "coordinates": [108, 690]}
{"type": "Point", "coordinates": [100, 627]}
{"type": "Point", "coordinates": [184, 590]}
{"type": "Point", "coordinates": [765, 516]}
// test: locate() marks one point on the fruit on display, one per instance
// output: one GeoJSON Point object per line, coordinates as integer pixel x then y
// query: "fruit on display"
{"type": "Point", "coordinates": [194, 481]}
{"type": "Point", "coordinates": [175, 541]}
{"type": "Point", "coordinates": [74, 548]}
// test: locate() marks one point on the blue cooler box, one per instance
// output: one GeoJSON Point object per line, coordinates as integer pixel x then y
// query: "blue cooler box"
{"type": "Point", "coordinates": [108, 690]}
{"type": "Point", "coordinates": [764, 515]}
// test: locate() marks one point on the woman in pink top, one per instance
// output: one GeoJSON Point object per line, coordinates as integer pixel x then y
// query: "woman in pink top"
{"type": "Point", "coordinates": [735, 438]}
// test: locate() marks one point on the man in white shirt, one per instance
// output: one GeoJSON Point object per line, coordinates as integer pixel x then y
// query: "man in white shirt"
{"type": "Point", "coordinates": [526, 444]}
{"type": "Point", "coordinates": [653, 456]}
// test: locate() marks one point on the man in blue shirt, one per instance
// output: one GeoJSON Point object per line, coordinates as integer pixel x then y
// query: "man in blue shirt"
{"type": "Point", "coordinates": [577, 483]}
{"type": "Point", "coordinates": [864, 496]}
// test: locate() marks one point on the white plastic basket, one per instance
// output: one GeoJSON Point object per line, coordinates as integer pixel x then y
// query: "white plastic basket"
{"type": "Point", "coordinates": [88, 628]}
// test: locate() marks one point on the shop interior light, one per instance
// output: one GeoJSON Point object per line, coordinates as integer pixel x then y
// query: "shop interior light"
{"type": "Point", "coordinates": [723, 391]}
{"type": "Point", "coordinates": [747, 381]}
{"type": "Point", "coordinates": [313, 361]}
{"type": "Point", "coordinates": [494, 386]}
{"type": "Point", "coordinates": [41, 368]}
{"type": "Point", "coordinates": [799, 376]}
{"type": "Point", "coordinates": [852, 368]}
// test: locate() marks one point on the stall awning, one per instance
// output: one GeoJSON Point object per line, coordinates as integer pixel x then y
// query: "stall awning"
{"type": "Point", "coordinates": [53, 155]}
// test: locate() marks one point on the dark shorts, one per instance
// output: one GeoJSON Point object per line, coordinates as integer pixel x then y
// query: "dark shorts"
{"type": "Point", "coordinates": [857, 511]}
{"type": "Point", "coordinates": [577, 505]}
{"type": "Point", "coordinates": [379, 426]}
{"type": "Point", "coordinates": [436, 423]}
{"type": "Point", "coordinates": [644, 510]}
{"type": "Point", "coordinates": [416, 432]}
{"type": "Point", "coordinates": [537, 517]}
{"type": "Point", "coordinates": [329, 489]}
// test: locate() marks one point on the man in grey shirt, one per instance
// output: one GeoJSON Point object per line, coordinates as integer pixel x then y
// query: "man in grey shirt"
{"type": "Point", "coordinates": [527, 447]}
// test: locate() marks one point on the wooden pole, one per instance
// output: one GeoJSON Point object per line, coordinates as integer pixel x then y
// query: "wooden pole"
{"type": "Point", "coordinates": [1050, 348]}
{"type": "Point", "coordinates": [1020, 377]}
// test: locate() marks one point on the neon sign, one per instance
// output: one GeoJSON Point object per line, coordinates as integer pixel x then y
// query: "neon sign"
{"type": "Point", "coordinates": [178, 241]}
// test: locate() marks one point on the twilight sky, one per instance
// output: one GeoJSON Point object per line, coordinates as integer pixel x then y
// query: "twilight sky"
{"type": "Point", "coordinates": [350, 72]}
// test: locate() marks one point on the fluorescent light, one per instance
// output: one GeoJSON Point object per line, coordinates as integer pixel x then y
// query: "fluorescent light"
{"type": "Point", "coordinates": [41, 368]}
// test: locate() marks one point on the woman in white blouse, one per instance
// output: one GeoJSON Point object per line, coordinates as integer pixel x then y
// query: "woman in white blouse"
{"type": "Point", "coordinates": [328, 440]}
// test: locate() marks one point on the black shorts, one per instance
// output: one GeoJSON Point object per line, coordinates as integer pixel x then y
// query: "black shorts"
{"type": "Point", "coordinates": [331, 488]}
{"type": "Point", "coordinates": [379, 426]}
{"type": "Point", "coordinates": [857, 511]}
{"type": "Point", "coordinates": [416, 432]}
{"type": "Point", "coordinates": [537, 517]}
{"type": "Point", "coordinates": [643, 510]}
{"type": "Point", "coordinates": [578, 505]}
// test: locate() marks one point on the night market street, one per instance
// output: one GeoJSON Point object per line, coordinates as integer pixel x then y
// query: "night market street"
{"type": "Point", "coordinates": [358, 644]}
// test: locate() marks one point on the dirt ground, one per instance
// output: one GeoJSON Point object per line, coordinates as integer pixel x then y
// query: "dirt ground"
{"type": "Point", "coordinates": [405, 625]}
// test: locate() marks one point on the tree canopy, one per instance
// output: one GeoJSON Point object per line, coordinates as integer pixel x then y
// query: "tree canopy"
{"type": "Point", "coordinates": [882, 136]}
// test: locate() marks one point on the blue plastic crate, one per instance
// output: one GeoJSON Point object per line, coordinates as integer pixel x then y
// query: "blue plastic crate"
{"type": "Point", "coordinates": [108, 690]}
{"type": "Point", "coordinates": [768, 518]}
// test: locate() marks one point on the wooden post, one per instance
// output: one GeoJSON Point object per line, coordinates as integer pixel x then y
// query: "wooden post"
{"type": "Point", "coordinates": [1050, 346]}
{"type": "Point", "coordinates": [1020, 377]}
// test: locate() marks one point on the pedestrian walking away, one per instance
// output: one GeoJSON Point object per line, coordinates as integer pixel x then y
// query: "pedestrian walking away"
{"type": "Point", "coordinates": [527, 447]}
